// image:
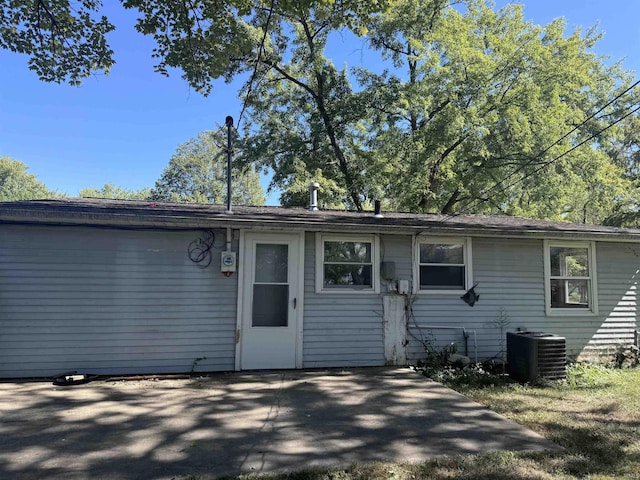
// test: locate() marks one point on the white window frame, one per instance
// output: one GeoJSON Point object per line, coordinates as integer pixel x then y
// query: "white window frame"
{"type": "Point", "coordinates": [592, 279]}
{"type": "Point", "coordinates": [467, 258]}
{"type": "Point", "coordinates": [346, 290]}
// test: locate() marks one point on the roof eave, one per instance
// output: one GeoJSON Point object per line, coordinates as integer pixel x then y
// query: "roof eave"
{"type": "Point", "coordinates": [175, 222]}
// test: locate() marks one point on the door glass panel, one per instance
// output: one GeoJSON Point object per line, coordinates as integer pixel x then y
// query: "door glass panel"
{"type": "Point", "coordinates": [272, 263]}
{"type": "Point", "coordinates": [270, 305]}
{"type": "Point", "coordinates": [270, 288]}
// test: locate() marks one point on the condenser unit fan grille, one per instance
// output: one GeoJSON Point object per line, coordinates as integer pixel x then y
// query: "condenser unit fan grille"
{"type": "Point", "coordinates": [536, 355]}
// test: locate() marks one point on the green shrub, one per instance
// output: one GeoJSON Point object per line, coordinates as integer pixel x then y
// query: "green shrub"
{"type": "Point", "coordinates": [438, 366]}
{"type": "Point", "coordinates": [588, 375]}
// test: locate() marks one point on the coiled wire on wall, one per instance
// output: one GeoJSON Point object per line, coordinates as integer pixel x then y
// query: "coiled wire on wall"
{"type": "Point", "coordinates": [199, 250]}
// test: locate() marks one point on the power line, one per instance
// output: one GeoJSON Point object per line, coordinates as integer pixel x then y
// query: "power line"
{"type": "Point", "coordinates": [549, 162]}
{"type": "Point", "coordinates": [526, 164]}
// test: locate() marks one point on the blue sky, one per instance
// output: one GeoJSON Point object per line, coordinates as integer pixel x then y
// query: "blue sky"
{"type": "Point", "coordinates": [124, 127]}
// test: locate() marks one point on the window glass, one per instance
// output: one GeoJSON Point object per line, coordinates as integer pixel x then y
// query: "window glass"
{"type": "Point", "coordinates": [270, 305]}
{"type": "Point", "coordinates": [569, 262]}
{"type": "Point", "coordinates": [271, 289]}
{"type": "Point", "coordinates": [569, 277]}
{"type": "Point", "coordinates": [441, 253]}
{"type": "Point", "coordinates": [435, 277]}
{"type": "Point", "coordinates": [442, 266]}
{"type": "Point", "coordinates": [347, 275]}
{"type": "Point", "coordinates": [347, 264]}
{"type": "Point", "coordinates": [351, 252]}
{"type": "Point", "coordinates": [272, 263]}
{"type": "Point", "coordinates": [569, 293]}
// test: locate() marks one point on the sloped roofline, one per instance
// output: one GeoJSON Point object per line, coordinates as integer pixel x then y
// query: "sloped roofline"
{"type": "Point", "coordinates": [158, 215]}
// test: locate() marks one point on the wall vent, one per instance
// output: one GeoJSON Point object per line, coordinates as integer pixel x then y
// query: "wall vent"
{"type": "Point", "coordinates": [536, 355]}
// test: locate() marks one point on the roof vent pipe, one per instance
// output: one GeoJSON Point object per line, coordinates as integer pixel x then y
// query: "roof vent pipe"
{"type": "Point", "coordinates": [377, 210]}
{"type": "Point", "coordinates": [229, 123]}
{"type": "Point", "coordinates": [313, 196]}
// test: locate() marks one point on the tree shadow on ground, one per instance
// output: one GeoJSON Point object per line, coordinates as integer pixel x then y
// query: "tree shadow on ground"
{"type": "Point", "coordinates": [241, 423]}
{"type": "Point", "coordinates": [600, 439]}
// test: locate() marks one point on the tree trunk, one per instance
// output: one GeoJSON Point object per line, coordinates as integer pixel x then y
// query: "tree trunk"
{"type": "Point", "coordinates": [448, 208]}
{"type": "Point", "coordinates": [329, 127]}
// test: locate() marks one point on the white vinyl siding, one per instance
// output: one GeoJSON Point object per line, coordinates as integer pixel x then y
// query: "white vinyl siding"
{"type": "Point", "coordinates": [122, 301]}
{"type": "Point", "coordinates": [510, 277]}
{"type": "Point", "coordinates": [108, 301]}
{"type": "Point", "coordinates": [339, 330]}
{"type": "Point", "coordinates": [618, 276]}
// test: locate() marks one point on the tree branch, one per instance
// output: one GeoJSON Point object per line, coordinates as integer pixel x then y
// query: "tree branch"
{"type": "Point", "coordinates": [448, 207]}
{"type": "Point", "coordinates": [328, 123]}
{"type": "Point", "coordinates": [290, 77]}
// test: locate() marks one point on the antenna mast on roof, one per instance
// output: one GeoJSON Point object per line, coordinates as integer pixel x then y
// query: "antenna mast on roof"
{"type": "Point", "coordinates": [229, 123]}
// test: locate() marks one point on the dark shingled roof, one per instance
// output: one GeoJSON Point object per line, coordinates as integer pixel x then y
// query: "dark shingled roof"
{"type": "Point", "coordinates": [145, 214]}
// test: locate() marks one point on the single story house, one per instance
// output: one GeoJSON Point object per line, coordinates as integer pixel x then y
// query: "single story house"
{"type": "Point", "coordinates": [128, 287]}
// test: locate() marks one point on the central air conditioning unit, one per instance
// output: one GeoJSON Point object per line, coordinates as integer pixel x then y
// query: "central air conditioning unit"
{"type": "Point", "coordinates": [536, 355]}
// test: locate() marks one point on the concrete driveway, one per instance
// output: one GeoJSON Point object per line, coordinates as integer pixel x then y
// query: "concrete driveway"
{"type": "Point", "coordinates": [246, 422]}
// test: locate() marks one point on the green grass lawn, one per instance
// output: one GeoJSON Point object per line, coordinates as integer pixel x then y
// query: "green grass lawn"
{"type": "Point", "coordinates": [595, 417]}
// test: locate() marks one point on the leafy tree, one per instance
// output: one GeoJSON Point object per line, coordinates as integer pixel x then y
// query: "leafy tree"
{"type": "Point", "coordinates": [109, 190]}
{"type": "Point", "coordinates": [66, 41]}
{"type": "Point", "coordinates": [487, 96]}
{"type": "Point", "coordinates": [197, 174]}
{"type": "Point", "coordinates": [272, 40]}
{"type": "Point", "coordinates": [302, 120]}
{"type": "Point", "coordinates": [626, 149]}
{"type": "Point", "coordinates": [16, 184]}
{"type": "Point", "coordinates": [469, 119]}
{"type": "Point", "coordinates": [208, 40]}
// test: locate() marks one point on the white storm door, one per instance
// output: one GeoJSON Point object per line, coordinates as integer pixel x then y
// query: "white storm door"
{"type": "Point", "coordinates": [270, 310]}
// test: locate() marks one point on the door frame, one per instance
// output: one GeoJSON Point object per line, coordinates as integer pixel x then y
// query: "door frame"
{"type": "Point", "coordinates": [242, 273]}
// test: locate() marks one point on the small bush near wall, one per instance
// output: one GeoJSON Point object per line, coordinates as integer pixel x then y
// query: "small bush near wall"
{"type": "Point", "coordinates": [453, 370]}
{"type": "Point", "coordinates": [472, 376]}
{"type": "Point", "coordinates": [626, 356]}
{"type": "Point", "coordinates": [587, 375]}
{"type": "Point", "coordinates": [580, 375]}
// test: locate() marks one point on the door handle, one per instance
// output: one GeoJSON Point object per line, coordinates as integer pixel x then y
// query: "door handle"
{"type": "Point", "coordinates": [295, 302]}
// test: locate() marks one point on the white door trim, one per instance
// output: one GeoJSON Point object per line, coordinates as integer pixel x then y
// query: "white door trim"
{"type": "Point", "coordinates": [240, 295]}
{"type": "Point", "coordinates": [299, 311]}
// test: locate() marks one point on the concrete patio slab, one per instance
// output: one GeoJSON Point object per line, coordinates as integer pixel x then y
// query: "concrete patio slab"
{"type": "Point", "coordinates": [241, 422]}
